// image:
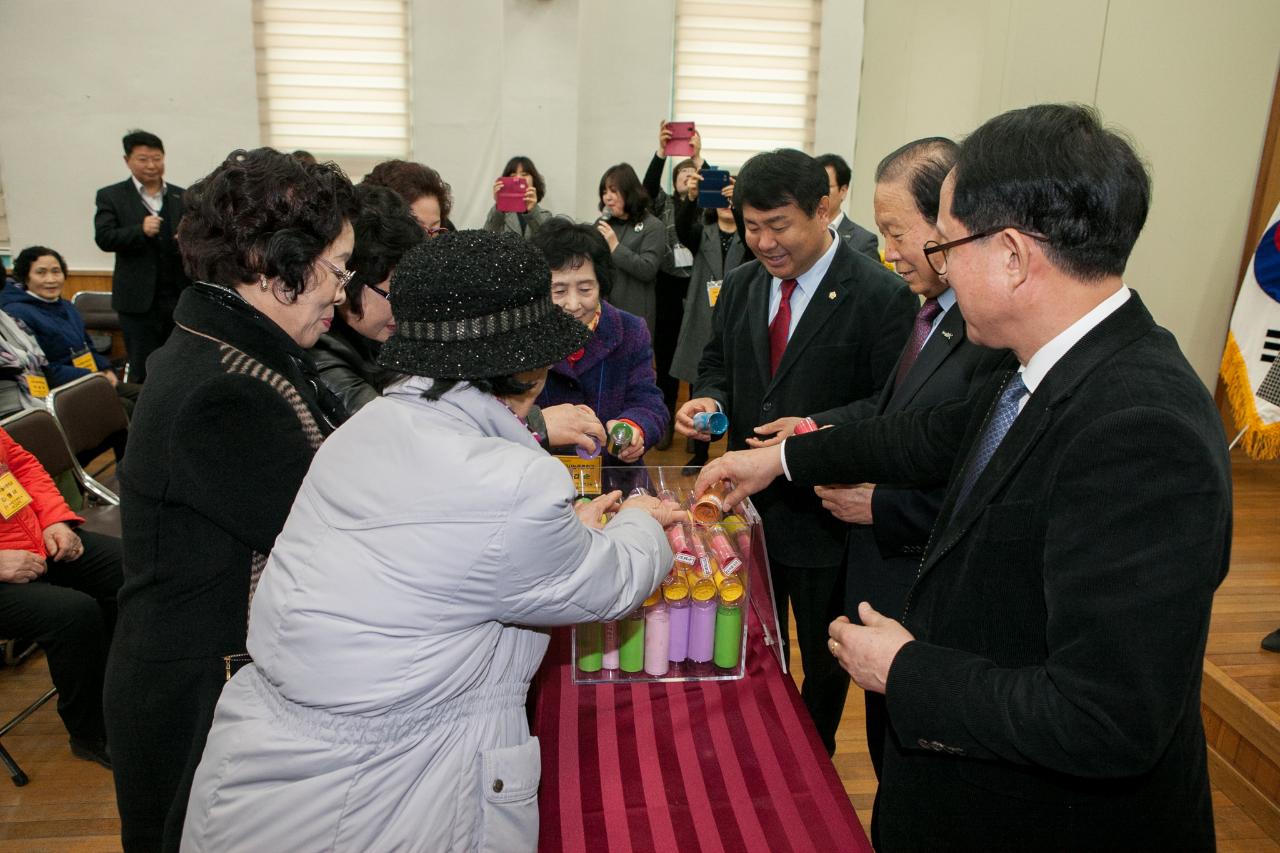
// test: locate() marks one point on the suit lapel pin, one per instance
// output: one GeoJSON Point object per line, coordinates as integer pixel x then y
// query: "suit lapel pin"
{"type": "Point", "coordinates": [947, 335]}
{"type": "Point", "coordinates": [831, 295]}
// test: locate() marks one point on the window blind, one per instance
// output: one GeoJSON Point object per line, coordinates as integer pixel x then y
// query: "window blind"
{"type": "Point", "coordinates": [746, 73]}
{"type": "Point", "coordinates": [333, 78]}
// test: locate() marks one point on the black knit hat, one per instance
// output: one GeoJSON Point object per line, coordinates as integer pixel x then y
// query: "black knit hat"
{"type": "Point", "coordinates": [476, 305]}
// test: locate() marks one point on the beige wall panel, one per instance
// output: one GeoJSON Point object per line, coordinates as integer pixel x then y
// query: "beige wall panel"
{"type": "Point", "coordinates": [1192, 83]}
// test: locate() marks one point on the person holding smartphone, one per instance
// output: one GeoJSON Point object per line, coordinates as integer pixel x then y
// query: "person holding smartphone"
{"type": "Point", "coordinates": [636, 239]}
{"type": "Point", "coordinates": [523, 223]}
{"type": "Point", "coordinates": [716, 243]}
{"type": "Point", "coordinates": [673, 274]}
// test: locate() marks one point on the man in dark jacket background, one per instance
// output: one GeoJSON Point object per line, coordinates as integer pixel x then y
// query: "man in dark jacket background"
{"type": "Point", "coordinates": [137, 219]}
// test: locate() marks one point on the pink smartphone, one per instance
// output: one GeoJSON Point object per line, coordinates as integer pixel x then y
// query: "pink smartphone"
{"type": "Point", "coordinates": [511, 194]}
{"type": "Point", "coordinates": [681, 142]}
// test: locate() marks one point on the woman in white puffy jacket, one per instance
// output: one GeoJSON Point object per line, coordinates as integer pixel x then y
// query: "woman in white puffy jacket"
{"type": "Point", "coordinates": [396, 627]}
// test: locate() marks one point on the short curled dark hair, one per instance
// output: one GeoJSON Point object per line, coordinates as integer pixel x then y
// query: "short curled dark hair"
{"type": "Point", "coordinates": [28, 256]}
{"type": "Point", "coordinates": [498, 386]}
{"type": "Point", "coordinates": [1053, 169]}
{"type": "Point", "coordinates": [526, 165]}
{"type": "Point", "coordinates": [565, 243]}
{"type": "Point", "coordinates": [412, 181]}
{"type": "Point", "coordinates": [775, 179]}
{"type": "Point", "coordinates": [635, 201]}
{"type": "Point", "coordinates": [923, 164]}
{"type": "Point", "coordinates": [263, 213]}
{"type": "Point", "coordinates": [385, 229]}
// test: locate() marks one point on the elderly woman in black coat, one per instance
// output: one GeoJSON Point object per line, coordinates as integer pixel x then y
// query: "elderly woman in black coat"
{"type": "Point", "coordinates": [219, 444]}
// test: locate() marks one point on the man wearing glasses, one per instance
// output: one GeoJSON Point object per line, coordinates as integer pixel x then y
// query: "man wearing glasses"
{"type": "Point", "coordinates": [1043, 688]}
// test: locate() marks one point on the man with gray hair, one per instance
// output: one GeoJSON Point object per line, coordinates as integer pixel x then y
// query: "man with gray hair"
{"type": "Point", "coordinates": [890, 523]}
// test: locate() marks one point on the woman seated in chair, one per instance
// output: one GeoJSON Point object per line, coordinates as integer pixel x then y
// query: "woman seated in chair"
{"type": "Point", "coordinates": [58, 587]}
{"type": "Point", "coordinates": [23, 384]}
{"type": "Point", "coordinates": [57, 325]}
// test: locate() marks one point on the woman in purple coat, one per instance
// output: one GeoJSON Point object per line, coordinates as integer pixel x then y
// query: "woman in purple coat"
{"type": "Point", "coordinates": [613, 373]}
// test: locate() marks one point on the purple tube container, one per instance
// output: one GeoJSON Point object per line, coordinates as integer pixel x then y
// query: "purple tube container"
{"type": "Point", "coordinates": [702, 630]}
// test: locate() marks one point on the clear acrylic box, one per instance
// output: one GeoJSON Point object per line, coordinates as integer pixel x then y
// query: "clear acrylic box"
{"type": "Point", "coordinates": [695, 627]}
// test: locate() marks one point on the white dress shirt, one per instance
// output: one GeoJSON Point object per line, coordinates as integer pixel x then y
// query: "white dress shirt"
{"type": "Point", "coordinates": [154, 203]}
{"type": "Point", "coordinates": [1039, 365]}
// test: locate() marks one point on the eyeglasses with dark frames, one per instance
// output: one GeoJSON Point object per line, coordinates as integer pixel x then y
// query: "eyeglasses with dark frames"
{"type": "Point", "coordinates": [344, 276]}
{"type": "Point", "coordinates": [437, 230]}
{"type": "Point", "coordinates": [385, 294]}
{"type": "Point", "coordinates": [936, 253]}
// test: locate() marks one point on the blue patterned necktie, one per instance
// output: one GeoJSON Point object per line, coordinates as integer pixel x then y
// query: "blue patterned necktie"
{"type": "Point", "coordinates": [1006, 411]}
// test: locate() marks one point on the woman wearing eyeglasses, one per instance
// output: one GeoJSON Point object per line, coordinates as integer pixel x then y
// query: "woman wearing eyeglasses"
{"type": "Point", "coordinates": [233, 413]}
{"type": "Point", "coordinates": [347, 354]}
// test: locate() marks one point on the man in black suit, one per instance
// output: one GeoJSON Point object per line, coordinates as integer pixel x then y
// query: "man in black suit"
{"type": "Point", "coordinates": [137, 219]}
{"type": "Point", "coordinates": [839, 176]}
{"type": "Point", "coordinates": [1043, 689]}
{"type": "Point", "coordinates": [811, 328]}
{"type": "Point", "coordinates": [891, 523]}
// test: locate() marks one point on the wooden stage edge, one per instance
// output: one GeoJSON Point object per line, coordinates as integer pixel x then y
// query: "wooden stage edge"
{"type": "Point", "coordinates": [1240, 695]}
{"type": "Point", "coordinates": [1243, 735]}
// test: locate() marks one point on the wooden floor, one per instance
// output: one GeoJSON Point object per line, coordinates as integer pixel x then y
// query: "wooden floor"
{"type": "Point", "coordinates": [1247, 606]}
{"type": "Point", "coordinates": [70, 804]}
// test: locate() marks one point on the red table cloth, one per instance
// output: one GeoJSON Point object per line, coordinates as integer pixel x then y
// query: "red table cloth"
{"type": "Point", "coordinates": [695, 766]}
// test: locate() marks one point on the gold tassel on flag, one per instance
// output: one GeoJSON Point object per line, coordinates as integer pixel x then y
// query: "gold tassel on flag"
{"type": "Point", "coordinates": [1251, 360]}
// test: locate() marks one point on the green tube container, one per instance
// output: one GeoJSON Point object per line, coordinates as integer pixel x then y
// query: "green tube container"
{"type": "Point", "coordinates": [631, 642]}
{"type": "Point", "coordinates": [728, 643]}
{"type": "Point", "coordinates": [590, 640]}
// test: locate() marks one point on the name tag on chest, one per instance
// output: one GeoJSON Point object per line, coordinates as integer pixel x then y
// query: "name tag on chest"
{"type": "Point", "coordinates": [12, 496]}
{"type": "Point", "coordinates": [37, 385]}
{"type": "Point", "coordinates": [84, 361]}
{"type": "Point", "coordinates": [713, 292]}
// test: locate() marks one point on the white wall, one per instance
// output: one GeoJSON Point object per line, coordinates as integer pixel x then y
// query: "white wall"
{"type": "Point", "coordinates": [577, 85]}
{"type": "Point", "coordinates": [839, 78]}
{"type": "Point", "coordinates": [78, 74]}
{"type": "Point", "coordinates": [1190, 81]}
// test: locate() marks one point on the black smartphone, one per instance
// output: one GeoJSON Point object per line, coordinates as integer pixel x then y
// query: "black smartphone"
{"type": "Point", "coordinates": [713, 181]}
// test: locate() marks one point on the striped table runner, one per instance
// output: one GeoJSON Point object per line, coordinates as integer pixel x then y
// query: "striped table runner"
{"type": "Point", "coordinates": [695, 767]}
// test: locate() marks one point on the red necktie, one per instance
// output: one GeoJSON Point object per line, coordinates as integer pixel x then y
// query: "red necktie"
{"type": "Point", "coordinates": [780, 326]}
